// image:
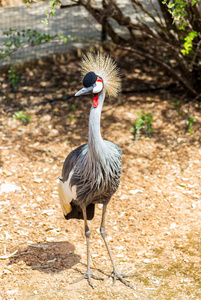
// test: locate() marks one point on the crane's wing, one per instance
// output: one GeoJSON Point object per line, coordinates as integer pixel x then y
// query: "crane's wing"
{"type": "Point", "coordinates": [67, 192]}
{"type": "Point", "coordinates": [64, 201]}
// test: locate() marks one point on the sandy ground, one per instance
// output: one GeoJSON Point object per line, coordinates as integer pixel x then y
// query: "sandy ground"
{"type": "Point", "coordinates": [153, 220]}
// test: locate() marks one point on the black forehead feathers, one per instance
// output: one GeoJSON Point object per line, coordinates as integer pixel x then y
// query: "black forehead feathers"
{"type": "Point", "coordinates": [89, 79]}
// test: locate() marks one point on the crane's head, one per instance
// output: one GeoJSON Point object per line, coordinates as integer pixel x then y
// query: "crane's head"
{"type": "Point", "coordinates": [99, 72]}
{"type": "Point", "coordinates": [93, 84]}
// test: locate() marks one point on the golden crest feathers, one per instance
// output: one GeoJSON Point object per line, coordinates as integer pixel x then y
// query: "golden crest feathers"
{"type": "Point", "coordinates": [105, 67]}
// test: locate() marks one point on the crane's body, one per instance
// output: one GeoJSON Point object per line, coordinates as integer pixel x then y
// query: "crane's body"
{"type": "Point", "coordinates": [91, 173]}
{"type": "Point", "coordinates": [78, 188]}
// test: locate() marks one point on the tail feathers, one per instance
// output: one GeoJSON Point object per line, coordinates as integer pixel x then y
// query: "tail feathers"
{"type": "Point", "coordinates": [65, 205]}
{"type": "Point", "coordinates": [76, 212]}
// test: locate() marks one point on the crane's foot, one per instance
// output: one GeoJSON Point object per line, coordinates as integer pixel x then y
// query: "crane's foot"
{"type": "Point", "coordinates": [119, 276]}
{"type": "Point", "coordinates": [88, 275]}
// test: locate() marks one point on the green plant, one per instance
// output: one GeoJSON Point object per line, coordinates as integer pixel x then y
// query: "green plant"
{"type": "Point", "coordinates": [72, 117]}
{"type": "Point", "coordinates": [69, 79]}
{"type": "Point", "coordinates": [16, 40]}
{"type": "Point", "coordinates": [177, 105]}
{"type": "Point", "coordinates": [14, 78]}
{"type": "Point", "coordinates": [20, 115]}
{"type": "Point", "coordinates": [142, 123]}
{"type": "Point", "coordinates": [191, 120]}
{"type": "Point", "coordinates": [188, 44]}
{"type": "Point", "coordinates": [178, 9]}
{"type": "Point", "coordinates": [53, 4]}
{"type": "Point", "coordinates": [6, 97]}
{"type": "Point", "coordinates": [72, 107]}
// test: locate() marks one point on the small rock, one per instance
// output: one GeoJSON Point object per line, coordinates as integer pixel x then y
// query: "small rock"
{"type": "Point", "coordinates": [7, 173]}
{"type": "Point", "coordinates": [134, 192]}
{"type": "Point", "coordinates": [12, 292]}
{"type": "Point", "coordinates": [54, 132]}
{"type": "Point", "coordinates": [120, 255]}
{"type": "Point", "coordinates": [7, 236]}
{"type": "Point", "coordinates": [38, 180]}
{"type": "Point", "coordinates": [46, 118]}
{"type": "Point", "coordinates": [173, 225]}
{"type": "Point", "coordinates": [50, 239]}
{"type": "Point", "coordinates": [100, 206]}
{"type": "Point", "coordinates": [39, 199]}
{"type": "Point", "coordinates": [9, 187]}
{"type": "Point", "coordinates": [48, 212]}
{"type": "Point", "coordinates": [146, 260]}
{"type": "Point", "coordinates": [121, 214]}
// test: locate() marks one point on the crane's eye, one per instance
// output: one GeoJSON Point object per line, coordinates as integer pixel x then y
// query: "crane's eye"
{"type": "Point", "coordinates": [98, 86]}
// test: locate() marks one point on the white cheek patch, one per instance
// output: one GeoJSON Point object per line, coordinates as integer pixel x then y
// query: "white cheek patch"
{"type": "Point", "coordinates": [98, 87]}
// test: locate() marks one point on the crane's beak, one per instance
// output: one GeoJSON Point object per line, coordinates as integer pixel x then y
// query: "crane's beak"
{"type": "Point", "coordinates": [84, 91]}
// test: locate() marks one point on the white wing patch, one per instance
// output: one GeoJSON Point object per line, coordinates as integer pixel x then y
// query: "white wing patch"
{"type": "Point", "coordinates": [66, 194]}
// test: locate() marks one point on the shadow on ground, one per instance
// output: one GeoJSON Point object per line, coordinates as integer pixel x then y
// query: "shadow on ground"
{"type": "Point", "coordinates": [48, 257]}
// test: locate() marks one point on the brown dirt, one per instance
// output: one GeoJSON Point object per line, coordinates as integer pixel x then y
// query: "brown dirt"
{"type": "Point", "coordinates": [153, 221]}
{"type": "Point", "coordinates": [8, 3]}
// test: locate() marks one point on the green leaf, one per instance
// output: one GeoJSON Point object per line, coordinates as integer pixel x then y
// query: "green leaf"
{"type": "Point", "coordinates": [44, 21]}
{"type": "Point", "coordinates": [188, 45]}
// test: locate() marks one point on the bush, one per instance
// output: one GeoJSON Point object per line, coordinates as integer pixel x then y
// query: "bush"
{"type": "Point", "coordinates": [175, 34]}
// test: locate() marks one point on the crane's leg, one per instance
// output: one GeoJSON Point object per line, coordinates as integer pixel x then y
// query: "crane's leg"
{"type": "Point", "coordinates": [88, 275]}
{"type": "Point", "coordinates": [116, 274]}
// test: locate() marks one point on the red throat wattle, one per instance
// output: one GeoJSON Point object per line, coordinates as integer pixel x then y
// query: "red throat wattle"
{"type": "Point", "coordinates": [95, 101]}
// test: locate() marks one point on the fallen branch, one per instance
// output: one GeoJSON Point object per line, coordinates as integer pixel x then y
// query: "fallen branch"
{"type": "Point", "coordinates": [69, 5]}
{"type": "Point", "coordinates": [50, 101]}
{"type": "Point", "coordinates": [9, 255]}
{"type": "Point", "coordinates": [151, 89]}
{"type": "Point", "coordinates": [196, 98]}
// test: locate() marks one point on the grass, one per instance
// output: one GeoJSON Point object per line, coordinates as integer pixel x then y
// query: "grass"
{"type": "Point", "coordinates": [14, 78]}
{"type": "Point", "coordinates": [142, 124]}
{"type": "Point", "coordinates": [21, 115]}
{"type": "Point", "coordinates": [191, 120]}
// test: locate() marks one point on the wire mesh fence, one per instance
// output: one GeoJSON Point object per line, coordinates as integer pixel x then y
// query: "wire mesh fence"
{"type": "Point", "coordinates": [74, 22]}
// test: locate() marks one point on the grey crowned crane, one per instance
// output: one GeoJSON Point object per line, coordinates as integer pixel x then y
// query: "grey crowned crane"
{"type": "Point", "coordinates": [91, 173]}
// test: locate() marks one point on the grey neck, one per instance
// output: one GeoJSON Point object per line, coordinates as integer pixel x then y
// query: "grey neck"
{"type": "Point", "coordinates": [95, 141]}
